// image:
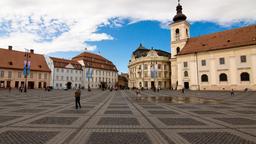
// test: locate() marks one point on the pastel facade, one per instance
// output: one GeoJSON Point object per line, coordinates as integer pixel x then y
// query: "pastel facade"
{"type": "Point", "coordinates": [218, 61]}
{"type": "Point", "coordinates": [140, 67]}
{"type": "Point", "coordinates": [12, 65]}
{"type": "Point", "coordinates": [102, 72]}
{"type": "Point", "coordinates": [65, 73]}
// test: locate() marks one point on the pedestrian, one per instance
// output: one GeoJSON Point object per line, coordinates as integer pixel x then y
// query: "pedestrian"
{"type": "Point", "coordinates": [77, 98]}
{"type": "Point", "coordinates": [232, 92]}
{"type": "Point", "coordinates": [183, 90]}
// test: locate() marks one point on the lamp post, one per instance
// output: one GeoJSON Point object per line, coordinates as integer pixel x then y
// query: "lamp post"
{"type": "Point", "coordinates": [27, 55]}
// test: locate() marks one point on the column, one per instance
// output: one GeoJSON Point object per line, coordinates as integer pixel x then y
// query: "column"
{"type": "Point", "coordinates": [253, 66]}
{"type": "Point", "coordinates": [213, 78]}
{"type": "Point", "coordinates": [232, 78]}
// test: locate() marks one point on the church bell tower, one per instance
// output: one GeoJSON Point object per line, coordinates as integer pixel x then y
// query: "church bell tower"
{"type": "Point", "coordinates": [180, 31]}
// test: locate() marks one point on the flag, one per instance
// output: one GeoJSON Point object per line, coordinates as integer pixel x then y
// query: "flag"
{"type": "Point", "coordinates": [24, 69]}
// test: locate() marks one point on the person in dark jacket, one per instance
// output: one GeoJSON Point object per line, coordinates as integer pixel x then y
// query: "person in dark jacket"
{"type": "Point", "coordinates": [77, 97]}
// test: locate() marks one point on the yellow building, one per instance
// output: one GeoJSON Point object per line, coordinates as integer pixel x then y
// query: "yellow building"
{"type": "Point", "coordinates": [149, 68]}
{"type": "Point", "coordinates": [12, 65]}
{"type": "Point", "coordinates": [220, 61]}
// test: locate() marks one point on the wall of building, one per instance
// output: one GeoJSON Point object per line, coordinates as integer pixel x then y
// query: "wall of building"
{"type": "Point", "coordinates": [140, 74]}
{"type": "Point", "coordinates": [233, 68]}
{"type": "Point", "coordinates": [16, 78]}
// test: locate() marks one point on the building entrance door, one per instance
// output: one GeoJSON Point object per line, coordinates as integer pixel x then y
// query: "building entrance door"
{"type": "Point", "coordinates": [31, 85]}
{"type": "Point", "coordinates": [16, 84]}
{"type": "Point", "coordinates": [8, 84]}
{"type": "Point", "coordinates": [186, 85]}
{"type": "Point", "coordinates": [152, 85]}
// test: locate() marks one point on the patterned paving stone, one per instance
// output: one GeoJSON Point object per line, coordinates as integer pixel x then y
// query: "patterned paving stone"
{"type": "Point", "coordinates": [14, 105]}
{"type": "Point", "coordinates": [180, 121]}
{"type": "Point", "coordinates": [221, 107]}
{"type": "Point", "coordinates": [7, 118]}
{"type": "Point", "coordinates": [251, 107]}
{"type": "Point", "coordinates": [206, 112]}
{"type": "Point", "coordinates": [187, 107]}
{"type": "Point", "coordinates": [161, 112]}
{"type": "Point", "coordinates": [48, 106]}
{"type": "Point", "coordinates": [213, 138]}
{"type": "Point", "coordinates": [117, 112]}
{"type": "Point", "coordinates": [118, 107]}
{"type": "Point", "coordinates": [26, 137]}
{"type": "Point", "coordinates": [55, 120]}
{"type": "Point", "coordinates": [238, 121]}
{"type": "Point", "coordinates": [152, 107]}
{"type": "Point", "coordinates": [118, 121]}
{"type": "Point", "coordinates": [74, 111]}
{"type": "Point", "coordinates": [245, 112]}
{"type": "Point", "coordinates": [29, 110]}
{"type": "Point", "coordinates": [119, 138]}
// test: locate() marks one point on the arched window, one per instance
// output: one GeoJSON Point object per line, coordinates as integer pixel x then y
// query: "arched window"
{"type": "Point", "coordinates": [204, 78]}
{"type": "Point", "coordinates": [185, 73]}
{"type": "Point", "coordinates": [177, 34]}
{"type": "Point", "coordinates": [223, 77]}
{"type": "Point", "coordinates": [177, 31]}
{"type": "Point", "coordinates": [177, 50]}
{"type": "Point", "coordinates": [245, 76]}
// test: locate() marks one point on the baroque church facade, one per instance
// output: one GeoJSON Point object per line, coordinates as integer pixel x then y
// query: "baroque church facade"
{"type": "Point", "coordinates": [220, 61]}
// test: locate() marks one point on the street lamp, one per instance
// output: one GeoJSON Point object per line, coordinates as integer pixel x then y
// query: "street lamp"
{"type": "Point", "coordinates": [26, 68]}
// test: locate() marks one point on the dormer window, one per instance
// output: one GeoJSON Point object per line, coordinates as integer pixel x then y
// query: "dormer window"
{"type": "Point", "coordinates": [10, 63]}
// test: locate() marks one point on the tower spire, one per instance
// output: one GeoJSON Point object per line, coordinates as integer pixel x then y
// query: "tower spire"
{"type": "Point", "coordinates": [179, 16]}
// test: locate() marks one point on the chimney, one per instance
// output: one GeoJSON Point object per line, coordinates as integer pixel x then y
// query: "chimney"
{"type": "Point", "coordinates": [31, 51]}
{"type": "Point", "coordinates": [9, 47]}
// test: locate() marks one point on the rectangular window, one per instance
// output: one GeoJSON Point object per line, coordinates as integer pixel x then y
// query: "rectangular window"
{"type": "Point", "coordinates": [159, 66]}
{"type": "Point", "coordinates": [19, 74]}
{"type": "Point", "coordinates": [40, 76]}
{"type": "Point", "coordinates": [67, 71]}
{"type": "Point", "coordinates": [67, 78]}
{"type": "Point", "coordinates": [60, 84]}
{"type": "Point", "coordinates": [57, 70]}
{"type": "Point", "coordinates": [57, 77]}
{"type": "Point", "coordinates": [145, 66]}
{"type": "Point", "coordinates": [203, 62]}
{"type": "Point", "coordinates": [243, 59]}
{"type": "Point", "coordinates": [62, 77]}
{"type": "Point", "coordinates": [222, 61]}
{"type": "Point", "coordinates": [62, 70]}
{"type": "Point", "coordinates": [31, 75]}
{"type": "Point", "coordinates": [57, 85]}
{"type": "Point", "coordinates": [45, 76]}
{"type": "Point", "coordinates": [185, 64]}
{"type": "Point", "coordinates": [9, 74]}
{"type": "Point", "coordinates": [2, 74]}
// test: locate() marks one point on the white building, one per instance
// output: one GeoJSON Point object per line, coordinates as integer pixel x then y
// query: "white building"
{"type": "Point", "coordinates": [65, 73]}
{"type": "Point", "coordinates": [103, 71]}
{"type": "Point", "coordinates": [220, 61]}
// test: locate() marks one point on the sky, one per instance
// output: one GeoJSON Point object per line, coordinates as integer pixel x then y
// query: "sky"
{"type": "Point", "coordinates": [115, 28]}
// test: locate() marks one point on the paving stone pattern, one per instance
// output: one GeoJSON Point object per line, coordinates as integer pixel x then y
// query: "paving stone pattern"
{"type": "Point", "coordinates": [118, 138]}
{"type": "Point", "coordinates": [26, 137]}
{"type": "Point", "coordinates": [118, 121]}
{"type": "Point", "coordinates": [214, 138]}
{"type": "Point", "coordinates": [40, 117]}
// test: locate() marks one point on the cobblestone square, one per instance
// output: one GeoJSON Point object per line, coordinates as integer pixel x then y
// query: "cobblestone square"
{"type": "Point", "coordinates": [40, 117]}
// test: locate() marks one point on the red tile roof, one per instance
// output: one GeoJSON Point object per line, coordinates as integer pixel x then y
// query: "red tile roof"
{"type": "Point", "coordinates": [62, 63]}
{"type": "Point", "coordinates": [97, 61]}
{"type": "Point", "coordinates": [11, 59]}
{"type": "Point", "coordinates": [222, 40]}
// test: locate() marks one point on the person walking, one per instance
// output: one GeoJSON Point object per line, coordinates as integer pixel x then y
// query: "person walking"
{"type": "Point", "coordinates": [232, 92]}
{"type": "Point", "coordinates": [77, 98]}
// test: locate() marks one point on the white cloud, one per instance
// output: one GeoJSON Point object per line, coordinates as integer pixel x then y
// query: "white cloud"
{"type": "Point", "coordinates": [65, 25]}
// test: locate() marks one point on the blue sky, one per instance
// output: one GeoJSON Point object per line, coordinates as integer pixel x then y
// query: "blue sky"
{"type": "Point", "coordinates": [113, 27]}
{"type": "Point", "coordinates": [150, 33]}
